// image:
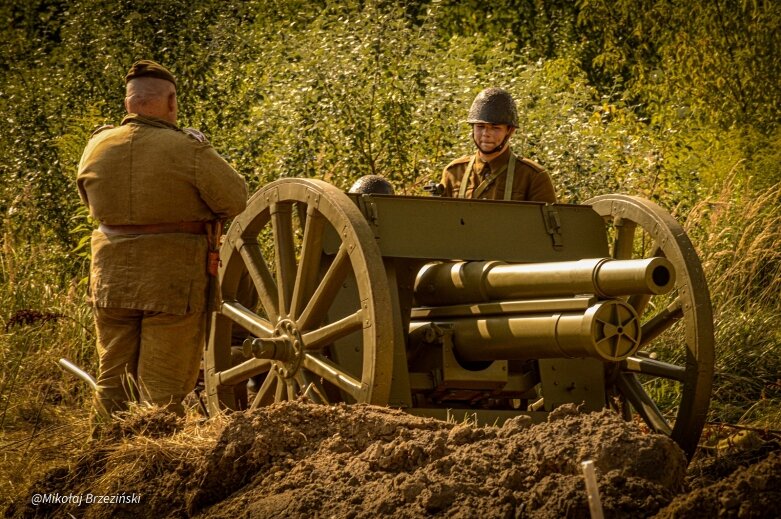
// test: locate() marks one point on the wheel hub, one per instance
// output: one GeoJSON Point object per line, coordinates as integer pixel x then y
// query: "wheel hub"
{"type": "Point", "coordinates": [285, 346]}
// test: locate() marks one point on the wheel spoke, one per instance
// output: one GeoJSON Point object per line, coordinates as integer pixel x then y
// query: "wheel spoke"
{"type": "Point", "coordinates": [324, 294]}
{"type": "Point", "coordinates": [329, 371]}
{"type": "Point", "coordinates": [631, 388]}
{"type": "Point", "coordinates": [311, 387]}
{"type": "Point", "coordinates": [639, 302]}
{"type": "Point", "coordinates": [661, 322]}
{"type": "Point", "coordinates": [291, 389]}
{"type": "Point", "coordinates": [285, 253]}
{"type": "Point", "coordinates": [626, 409]}
{"type": "Point", "coordinates": [625, 238]}
{"type": "Point", "coordinates": [243, 371]}
{"type": "Point", "coordinates": [261, 277]}
{"type": "Point", "coordinates": [618, 403]}
{"type": "Point", "coordinates": [653, 367]}
{"type": "Point", "coordinates": [279, 394]}
{"type": "Point", "coordinates": [317, 339]}
{"type": "Point", "coordinates": [264, 392]}
{"type": "Point", "coordinates": [308, 267]}
{"type": "Point", "coordinates": [301, 209]}
{"type": "Point", "coordinates": [247, 319]}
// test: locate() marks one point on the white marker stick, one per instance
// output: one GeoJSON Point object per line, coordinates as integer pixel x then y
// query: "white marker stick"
{"type": "Point", "coordinates": [594, 504]}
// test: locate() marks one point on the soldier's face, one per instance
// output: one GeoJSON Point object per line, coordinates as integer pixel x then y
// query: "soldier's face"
{"type": "Point", "coordinates": [489, 136]}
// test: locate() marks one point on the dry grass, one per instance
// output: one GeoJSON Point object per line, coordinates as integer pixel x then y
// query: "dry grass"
{"type": "Point", "coordinates": [28, 454]}
{"type": "Point", "coordinates": [738, 234]}
{"type": "Point", "coordinates": [145, 439]}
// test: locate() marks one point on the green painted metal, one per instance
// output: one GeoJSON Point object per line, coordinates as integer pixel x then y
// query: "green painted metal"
{"type": "Point", "coordinates": [448, 228]}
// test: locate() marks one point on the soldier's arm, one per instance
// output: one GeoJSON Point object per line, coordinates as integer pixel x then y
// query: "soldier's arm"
{"type": "Point", "coordinates": [80, 179]}
{"type": "Point", "coordinates": [540, 185]}
{"type": "Point", "coordinates": [541, 189]}
{"type": "Point", "coordinates": [82, 192]}
{"type": "Point", "coordinates": [448, 182]}
{"type": "Point", "coordinates": [220, 186]}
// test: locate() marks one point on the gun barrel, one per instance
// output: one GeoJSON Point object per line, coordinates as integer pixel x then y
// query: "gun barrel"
{"type": "Point", "coordinates": [479, 281]}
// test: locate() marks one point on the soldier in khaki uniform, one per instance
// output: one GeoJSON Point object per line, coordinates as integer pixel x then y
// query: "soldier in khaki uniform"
{"type": "Point", "coordinates": [156, 190]}
{"type": "Point", "coordinates": [494, 172]}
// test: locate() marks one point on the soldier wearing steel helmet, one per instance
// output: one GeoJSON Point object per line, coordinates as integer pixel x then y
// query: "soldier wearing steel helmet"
{"type": "Point", "coordinates": [156, 190]}
{"type": "Point", "coordinates": [494, 172]}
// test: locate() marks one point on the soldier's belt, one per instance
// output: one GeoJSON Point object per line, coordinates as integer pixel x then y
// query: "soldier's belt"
{"type": "Point", "coordinates": [156, 228]}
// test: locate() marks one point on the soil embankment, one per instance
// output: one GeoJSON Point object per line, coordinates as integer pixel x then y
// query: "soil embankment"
{"type": "Point", "coordinates": [298, 460]}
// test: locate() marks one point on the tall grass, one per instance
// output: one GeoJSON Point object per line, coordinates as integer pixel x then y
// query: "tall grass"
{"type": "Point", "coordinates": [737, 231]}
{"type": "Point", "coordinates": [43, 318]}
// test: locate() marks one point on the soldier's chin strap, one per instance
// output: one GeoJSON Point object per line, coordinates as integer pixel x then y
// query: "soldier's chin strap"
{"type": "Point", "coordinates": [495, 150]}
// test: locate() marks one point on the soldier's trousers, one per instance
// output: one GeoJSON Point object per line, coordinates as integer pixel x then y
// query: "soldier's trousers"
{"type": "Point", "coordinates": [145, 356]}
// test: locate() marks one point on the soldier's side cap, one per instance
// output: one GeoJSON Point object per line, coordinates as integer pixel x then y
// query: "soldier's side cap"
{"type": "Point", "coordinates": [149, 68]}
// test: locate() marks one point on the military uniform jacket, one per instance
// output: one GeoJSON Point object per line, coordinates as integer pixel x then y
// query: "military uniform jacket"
{"type": "Point", "coordinates": [147, 171]}
{"type": "Point", "coordinates": [530, 182]}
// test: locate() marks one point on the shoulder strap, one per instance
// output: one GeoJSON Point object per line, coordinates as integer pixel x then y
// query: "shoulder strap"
{"type": "Point", "coordinates": [101, 129]}
{"type": "Point", "coordinates": [485, 184]}
{"type": "Point", "coordinates": [532, 164]}
{"type": "Point", "coordinates": [508, 184]}
{"type": "Point", "coordinates": [465, 179]}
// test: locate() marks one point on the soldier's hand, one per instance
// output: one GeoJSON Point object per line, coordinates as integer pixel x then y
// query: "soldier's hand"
{"type": "Point", "coordinates": [434, 188]}
{"type": "Point", "coordinates": [199, 136]}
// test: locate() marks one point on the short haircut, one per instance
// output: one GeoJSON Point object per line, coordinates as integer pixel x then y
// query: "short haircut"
{"type": "Point", "coordinates": [143, 91]}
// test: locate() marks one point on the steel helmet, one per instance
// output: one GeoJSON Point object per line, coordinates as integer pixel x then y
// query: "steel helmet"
{"type": "Point", "coordinates": [372, 184]}
{"type": "Point", "coordinates": [493, 106]}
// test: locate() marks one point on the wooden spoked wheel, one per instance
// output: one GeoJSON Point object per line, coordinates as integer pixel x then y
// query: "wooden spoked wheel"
{"type": "Point", "coordinates": [673, 369]}
{"type": "Point", "coordinates": [302, 275]}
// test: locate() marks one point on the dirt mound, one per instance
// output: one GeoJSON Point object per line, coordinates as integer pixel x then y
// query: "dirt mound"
{"type": "Point", "coordinates": [296, 459]}
{"type": "Point", "coordinates": [753, 491]}
{"type": "Point", "coordinates": [363, 461]}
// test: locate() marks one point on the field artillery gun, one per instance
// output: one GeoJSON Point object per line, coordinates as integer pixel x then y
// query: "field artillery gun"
{"type": "Point", "coordinates": [463, 308]}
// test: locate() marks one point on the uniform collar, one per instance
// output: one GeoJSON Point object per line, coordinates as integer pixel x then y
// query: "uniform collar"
{"type": "Point", "coordinates": [496, 163]}
{"type": "Point", "coordinates": [148, 120]}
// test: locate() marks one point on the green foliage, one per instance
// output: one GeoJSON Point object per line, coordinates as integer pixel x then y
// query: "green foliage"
{"type": "Point", "coordinates": [351, 88]}
{"type": "Point", "coordinates": [718, 59]}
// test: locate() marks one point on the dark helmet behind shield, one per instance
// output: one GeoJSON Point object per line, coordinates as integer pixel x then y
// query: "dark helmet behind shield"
{"type": "Point", "coordinates": [493, 106]}
{"type": "Point", "coordinates": [372, 184]}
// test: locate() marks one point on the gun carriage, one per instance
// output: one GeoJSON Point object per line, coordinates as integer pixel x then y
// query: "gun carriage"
{"type": "Point", "coordinates": [453, 308]}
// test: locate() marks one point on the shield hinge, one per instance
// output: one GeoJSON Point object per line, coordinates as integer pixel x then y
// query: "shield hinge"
{"type": "Point", "coordinates": [370, 212]}
{"type": "Point", "coordinates": [552, 224]}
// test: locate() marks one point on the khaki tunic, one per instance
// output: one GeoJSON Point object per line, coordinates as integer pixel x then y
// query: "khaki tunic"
{"type": "Point", "coordinates": [147, 171]}
{"type": "Point", "coordinates": [530, 182]}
